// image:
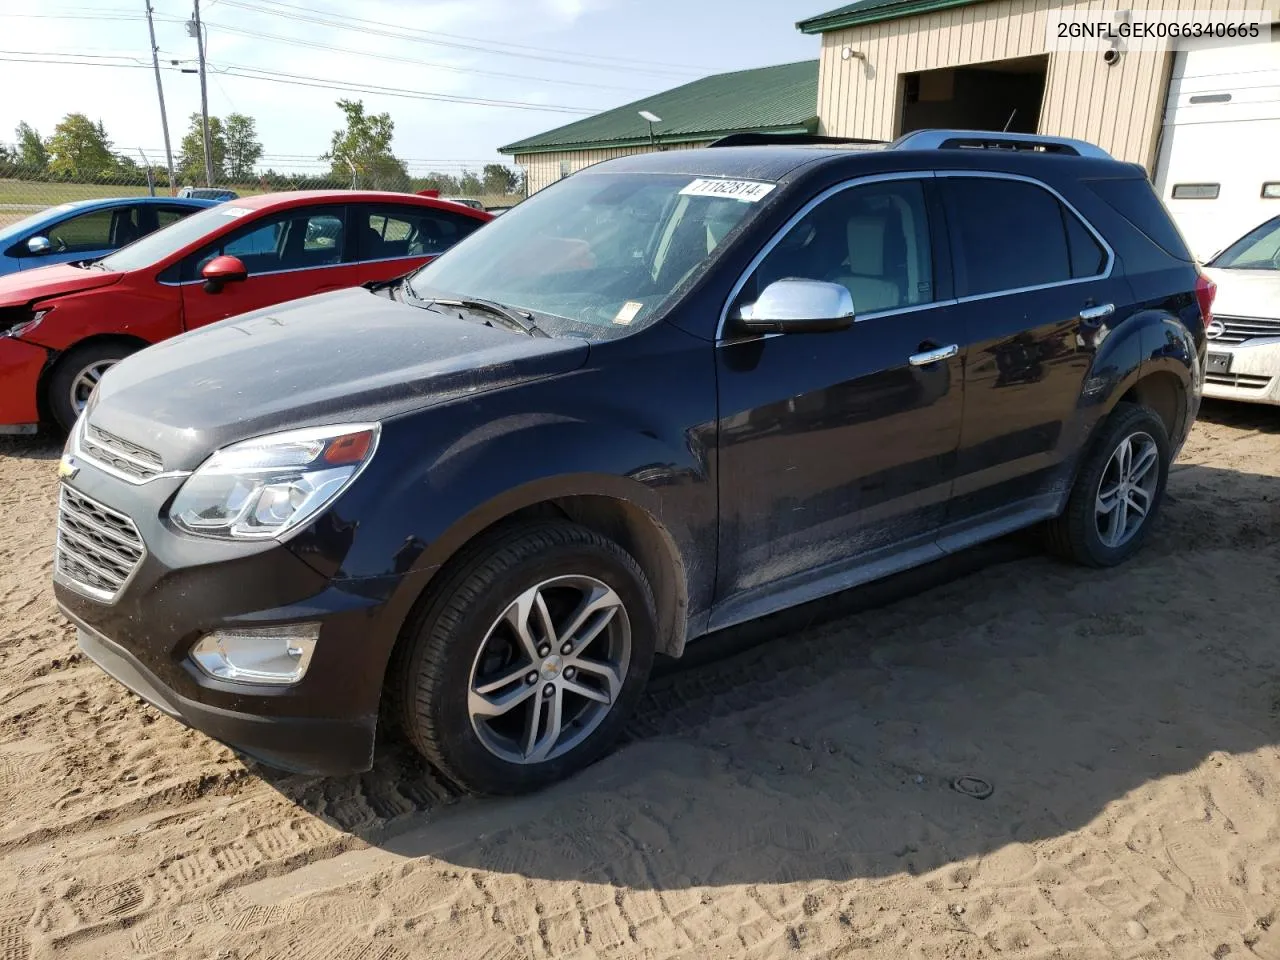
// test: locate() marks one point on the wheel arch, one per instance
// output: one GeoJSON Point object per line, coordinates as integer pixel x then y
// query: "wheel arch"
{"type": "Point", "coordinates": [57, 358]}
{"type": "Point", "coordinates": [618, 508]}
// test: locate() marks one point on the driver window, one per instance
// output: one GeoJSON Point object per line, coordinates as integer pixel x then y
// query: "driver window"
{"type": "Point", "coordinates": [872, 239]}
{"type": "Point", "coordinates": [97, 231]}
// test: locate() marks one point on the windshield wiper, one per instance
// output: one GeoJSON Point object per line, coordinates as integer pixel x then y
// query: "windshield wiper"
{"type": "Point", "coordinates": [519, 319]}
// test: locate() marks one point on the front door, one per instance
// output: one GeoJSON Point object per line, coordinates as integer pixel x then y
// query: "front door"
{"type": "Point", "coordinates": [837, 450]}
{"type": "Point", "coordinates": [291, 254]}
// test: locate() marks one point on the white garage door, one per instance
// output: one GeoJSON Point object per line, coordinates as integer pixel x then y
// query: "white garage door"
{"type": "Point", "coordinates": [1221, 142]}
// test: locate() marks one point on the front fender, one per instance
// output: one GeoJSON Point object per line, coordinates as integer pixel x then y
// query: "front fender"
{"type": "Point", "coordinates": [443, 475]}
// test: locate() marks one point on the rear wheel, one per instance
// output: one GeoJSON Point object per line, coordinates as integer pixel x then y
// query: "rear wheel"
{"type": "Point", "coordinates": [1118, 491]}
{"type": "Point", "coordinates": [77, 374]}
{"type": "Point", "coordinates": [526, 665]}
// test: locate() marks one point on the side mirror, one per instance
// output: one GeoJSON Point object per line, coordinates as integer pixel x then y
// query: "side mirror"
{"type": "Point", "coordinates": [38, 245]}
{"type": "Point", "coordinates": [799, 306]}
{"type": "Point", "coordinates": [220, 271]}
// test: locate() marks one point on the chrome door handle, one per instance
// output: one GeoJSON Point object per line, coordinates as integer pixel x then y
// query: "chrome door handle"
{"type": "Point", "coordinates": [933, 356]}
{"type": "Point", "coordinates": [1100, 312]}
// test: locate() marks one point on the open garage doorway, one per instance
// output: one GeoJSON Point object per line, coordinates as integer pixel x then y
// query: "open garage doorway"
{"type": "Point", "coordinates": [1001, 95]}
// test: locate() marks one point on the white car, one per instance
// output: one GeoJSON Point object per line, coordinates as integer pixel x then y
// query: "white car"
{"type": "Point", "coordinates": [1244, 335]}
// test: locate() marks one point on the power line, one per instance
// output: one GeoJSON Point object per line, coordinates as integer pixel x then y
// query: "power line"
{"type": "Point", "coordinates": [489, 44]}
{"type": "Point", "coordinates": [245, 72]}
{"type": "Point", "coordinates": [392, 58]}
{"type": "Point", "coordinates": [399, 32]}
{"type": "Point", "coordinates": [242, 72]}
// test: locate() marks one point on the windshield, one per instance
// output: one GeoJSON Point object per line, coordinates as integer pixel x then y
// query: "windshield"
{"type": "Point", "coordinates": [1259, 249]}
{"type": "Point", "coordinates": [599, 250]}
{"type": "Point", "coordinates": [155, 247]}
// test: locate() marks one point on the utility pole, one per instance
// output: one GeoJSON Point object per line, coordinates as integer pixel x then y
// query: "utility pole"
{"type": "Point", "coordinates": [164, 120]}
{"type": "Point", "coordinates": [196, 30]}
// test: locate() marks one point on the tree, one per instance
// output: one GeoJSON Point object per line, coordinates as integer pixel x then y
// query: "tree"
{"type": "Point", "coordinates": [79, 148]}
{"type": "Point", "coordinates": [499, 180]}
{"type": "Point", "coordinates": [31, 154]}
{"type": "Point", "coordinates": [191, 151]}
{"type": "Point", "coordinates": [470, 185]}
{"type": "Point", "coordinates": [360, 153]}
{"type": "Point", "coordinates": [243, 148]}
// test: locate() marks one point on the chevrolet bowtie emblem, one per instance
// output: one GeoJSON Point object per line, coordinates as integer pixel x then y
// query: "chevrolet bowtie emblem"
{"type": "Point", "coordinates": [67, 467]}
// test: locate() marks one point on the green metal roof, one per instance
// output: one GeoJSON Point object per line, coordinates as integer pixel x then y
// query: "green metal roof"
{"type": "Point", "coordinates": [780, 99]}
{"type": "Point", "coordinates": [870, 11]}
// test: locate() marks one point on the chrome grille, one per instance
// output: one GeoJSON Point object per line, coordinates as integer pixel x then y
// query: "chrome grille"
{"type": "Point", "coordinates": [1245, 381]}
{"type": "Point", "coordinates": [98, 548]}
{"type": "Point", "coordinates": [1240, 329]}
{"type": "Point", "coordinates": [119, 454]}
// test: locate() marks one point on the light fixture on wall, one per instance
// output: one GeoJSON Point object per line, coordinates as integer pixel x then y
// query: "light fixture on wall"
{"type": "Point", "coordinates": [651, 118]}
{"type": "Point", "coordinates": [848, 53]}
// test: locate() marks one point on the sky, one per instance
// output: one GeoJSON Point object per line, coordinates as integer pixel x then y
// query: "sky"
{"type": "Point", "coordinates": [537, 63]}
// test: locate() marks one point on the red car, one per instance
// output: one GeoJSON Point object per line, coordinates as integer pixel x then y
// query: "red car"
{"type": "Point", "coordinates": [62, 326]}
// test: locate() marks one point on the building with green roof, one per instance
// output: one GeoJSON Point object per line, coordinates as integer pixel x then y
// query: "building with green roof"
{"type": "Point", "coordinates": [778, 99]}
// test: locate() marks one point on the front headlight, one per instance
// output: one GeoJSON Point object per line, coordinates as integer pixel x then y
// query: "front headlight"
{"type": "Point", "coordinates": [270, 485]}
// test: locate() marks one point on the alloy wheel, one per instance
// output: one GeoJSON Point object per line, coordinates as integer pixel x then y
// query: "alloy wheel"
{"type": "Point", "coordinates": [550, 669]}
{"type": "Point", "coordinates": [86, 380]}
{"type": "Point", "coordinates": [1127, 490]}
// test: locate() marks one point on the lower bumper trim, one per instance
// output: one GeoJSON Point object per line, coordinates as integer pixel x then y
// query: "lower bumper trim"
{"type": "Point", "coordinates": [297, 744]}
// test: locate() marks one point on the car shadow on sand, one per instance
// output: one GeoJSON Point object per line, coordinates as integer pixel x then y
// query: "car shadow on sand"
{"type": "Point", "coordinates": [830, 743]}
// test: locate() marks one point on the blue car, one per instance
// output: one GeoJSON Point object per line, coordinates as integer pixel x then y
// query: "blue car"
{"type": "Point", "coordinates": [87, 229]}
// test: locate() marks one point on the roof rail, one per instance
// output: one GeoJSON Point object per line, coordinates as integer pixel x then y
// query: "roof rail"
{"type": "Point", "coordinates": [987, 140]}
{"type": "Point", "coordinates": [764, 139]}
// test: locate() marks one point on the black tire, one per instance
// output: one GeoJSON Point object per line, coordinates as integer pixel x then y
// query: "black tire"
{"type": "Point", "coordinates": [431, 678]}
{"type": "Point", "coordinates": [70, 364]}
{"type": "Point", "coordinates": [1075, 534]}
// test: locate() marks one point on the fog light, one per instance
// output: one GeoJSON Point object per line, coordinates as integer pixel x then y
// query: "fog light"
{"type": "Point", "coordinates": [274, 655]}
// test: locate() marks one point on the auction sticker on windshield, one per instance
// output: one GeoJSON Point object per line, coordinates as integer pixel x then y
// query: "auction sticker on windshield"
{"type": "Point", "coordinates": [233, 211]}
{"type": "Point", "coordinates": [748, 191]}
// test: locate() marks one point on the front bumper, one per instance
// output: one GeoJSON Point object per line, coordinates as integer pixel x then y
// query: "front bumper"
{"type": "Point", "coordinates": [20, 367]}
{"type": "Point", "coordinates": [184, 587]}
{"type": "Point", "coordinates": [1254, 376]}
{"type": "Point", "coordinates": [302, 744]}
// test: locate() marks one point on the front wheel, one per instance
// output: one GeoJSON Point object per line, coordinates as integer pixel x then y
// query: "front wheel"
{"type": "Point", "coordinates": [526, 665]}
{"type": "Point", "coordinates": [77, 374]}
{"type": "Point", "coordinates": [1118, 491]}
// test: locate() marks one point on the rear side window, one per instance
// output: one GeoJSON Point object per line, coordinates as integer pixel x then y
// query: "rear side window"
{"type": "Point", "coordinates": [388, 232]}
{"type": "Point", "coordinates": [167, 216]}
{"type": "Point", "coordinates": [1136, 201]}
{"type": "Point", "coordinates": [1010, 234]}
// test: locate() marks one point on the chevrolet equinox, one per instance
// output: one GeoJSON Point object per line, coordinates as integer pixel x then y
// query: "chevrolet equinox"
{"type": "Point", "coordinates": [671, 393]}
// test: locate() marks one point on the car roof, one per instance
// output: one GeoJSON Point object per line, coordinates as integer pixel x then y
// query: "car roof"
{"type": "Point", "coordinates": [297, 198]}
{"type": "Point", "coordinates": [921, 150]}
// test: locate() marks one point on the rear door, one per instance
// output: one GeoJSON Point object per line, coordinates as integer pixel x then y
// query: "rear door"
{"type": "Point", "coordinates": [288, 254]}
{"type": "Point", "coordinates": [389, 239]}
{"type": "Point", "coordinates": [1036, 292]}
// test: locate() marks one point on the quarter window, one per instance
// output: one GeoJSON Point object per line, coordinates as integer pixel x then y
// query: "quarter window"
{"type": "Point", "coordinates": [872, 239]}
{"type": "Point", "coordinates": [1009, 234]}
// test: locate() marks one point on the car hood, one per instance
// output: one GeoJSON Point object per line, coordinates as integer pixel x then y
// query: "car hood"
{"type": "Point", "coordinates": [1246, 293]}
{"type": "Point", "coordinates": [350, 355]}
{"type": "Point", "coordinates": [25, 286]}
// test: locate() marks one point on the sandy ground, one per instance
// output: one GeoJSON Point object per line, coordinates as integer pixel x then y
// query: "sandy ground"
{"type": "Point", "coordinates": [791, 799]}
